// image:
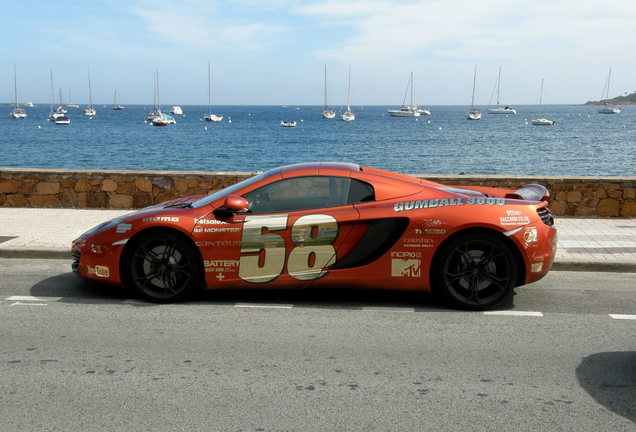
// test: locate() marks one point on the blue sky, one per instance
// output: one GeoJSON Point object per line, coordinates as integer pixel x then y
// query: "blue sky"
{"type": "Point", "coordinates": [274, 52]}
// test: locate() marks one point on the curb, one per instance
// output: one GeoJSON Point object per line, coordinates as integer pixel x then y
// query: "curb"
{"type": "Point", "coordinates": [41, 253]}
{"type": "Point", "coordinates": [578, 266]}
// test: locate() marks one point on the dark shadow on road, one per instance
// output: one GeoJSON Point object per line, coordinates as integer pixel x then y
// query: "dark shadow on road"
{"type": "Point", "coordinates": [75, 290]}
{"type": "Point", "coordinates": [610, 378]}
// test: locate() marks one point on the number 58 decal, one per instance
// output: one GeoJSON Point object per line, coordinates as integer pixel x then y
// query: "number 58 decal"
{"type": "Point", "coordinates": [263, 254]}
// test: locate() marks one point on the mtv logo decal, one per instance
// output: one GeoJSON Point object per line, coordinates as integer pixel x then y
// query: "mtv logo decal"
{"type": "Point", "coordinates": [405, 267]}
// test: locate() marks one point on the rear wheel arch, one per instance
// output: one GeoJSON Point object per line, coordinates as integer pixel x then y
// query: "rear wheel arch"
{"type": "Point", "coordinates": [438, 275]}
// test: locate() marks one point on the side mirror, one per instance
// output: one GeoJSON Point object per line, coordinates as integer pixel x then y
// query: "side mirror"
{"type": "Point", "coordinates": [236, 204]}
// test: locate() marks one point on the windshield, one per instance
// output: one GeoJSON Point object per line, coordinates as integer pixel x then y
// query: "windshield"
{"type": "Point", "coordinates": [231, 189]}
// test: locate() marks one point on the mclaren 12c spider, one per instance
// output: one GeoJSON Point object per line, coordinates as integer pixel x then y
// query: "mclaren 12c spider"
{"type": "Point", "coordinates": [329, 225]}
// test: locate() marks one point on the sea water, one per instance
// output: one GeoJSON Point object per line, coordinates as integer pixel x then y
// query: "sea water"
{"type": "Point", "coordinates": [250, 139]}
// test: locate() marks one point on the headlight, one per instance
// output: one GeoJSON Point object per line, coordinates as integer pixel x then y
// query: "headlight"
{"type": "Point", "coordinates": [102, 227]}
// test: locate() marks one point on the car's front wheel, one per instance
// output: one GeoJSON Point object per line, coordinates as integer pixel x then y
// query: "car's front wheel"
{"type": "Point", "coordinates": [161, 266]}
{"type": "Point", "coordinates": [475, 272]}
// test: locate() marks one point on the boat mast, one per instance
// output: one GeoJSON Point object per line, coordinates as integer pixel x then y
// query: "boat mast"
{"type": "Point", "coordinates": [349, 90]}
{"type": "Point", "coordinates": [90, 93]}
{"type": "Point", "coordinates": [209, 89]}
{"type": "Point", "coordinates": [15, 86]}
{"type": "Point", "coordinates": [498, 84]}
{"type": "Point", "coordinates": [411, 89]}
{"type": "Point", "coordinates": [472, 100]}
{"type": "Point", "coordinates": [541, 92]}
{"type": "Point", "coordinates": [326, 103]}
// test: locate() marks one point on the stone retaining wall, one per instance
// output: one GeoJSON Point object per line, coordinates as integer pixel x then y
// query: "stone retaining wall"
{"type": "Point", "coordinates": [570, 196]}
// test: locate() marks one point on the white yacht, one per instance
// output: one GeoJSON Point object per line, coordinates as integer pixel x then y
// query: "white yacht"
{"type": "Point", "coordinates": [17, 112]}
{"type": "Point", "coordinates": [327, 112]}
{"type": "Point", "coordinates": [542, 121]}
{"type": "Point", "coordinates": [176, 110]}
{"type": "Point", "coordinates": [407, 110]}
{"type": "Point", "coordinates": [210, 117]}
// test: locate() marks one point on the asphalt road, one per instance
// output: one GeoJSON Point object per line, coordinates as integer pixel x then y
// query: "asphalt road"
{"type": "Point", "coordinates": [78, 357]}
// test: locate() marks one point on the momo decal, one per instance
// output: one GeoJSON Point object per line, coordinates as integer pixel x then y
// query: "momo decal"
{"type": "Point", "coordinates": [161, 219]}
{"type": "Point", "coordinates": [446, 202]}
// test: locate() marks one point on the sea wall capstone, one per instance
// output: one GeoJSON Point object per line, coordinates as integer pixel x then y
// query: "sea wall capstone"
{"type": "Point", "coordinates": [570, 196]}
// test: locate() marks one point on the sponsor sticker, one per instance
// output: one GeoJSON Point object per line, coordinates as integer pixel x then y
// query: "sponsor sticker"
{"type": "Point", "coordinates": [446, 202]}
{"type": "Point", "coordinates": [530, 235]}
{"type": "Point", "coordinates": [99, 271]}
{"type": "Point", "coordinates": [536, 267]}
{"type": "Point", "coordinates": [122, 228]}
{"type": "Point", "coordinates": [406, 267]}
{"type": "Point", "coordinates": [161, 219]}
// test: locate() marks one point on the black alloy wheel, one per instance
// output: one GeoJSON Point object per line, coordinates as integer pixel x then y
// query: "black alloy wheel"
{"type": "Point", "coordinates": [161, 267]}
{"type": "Point", "coordinates": [475, 272]}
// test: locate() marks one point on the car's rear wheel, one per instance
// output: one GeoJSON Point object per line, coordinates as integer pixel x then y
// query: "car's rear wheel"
{"type": "Point", "coordinates": [161, 267]}
{"type": "Point", "coordinates": [475, 272]}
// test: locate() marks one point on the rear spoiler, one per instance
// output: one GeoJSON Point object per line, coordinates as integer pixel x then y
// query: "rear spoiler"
{"type": "Point", "coordinates": [530, 192]}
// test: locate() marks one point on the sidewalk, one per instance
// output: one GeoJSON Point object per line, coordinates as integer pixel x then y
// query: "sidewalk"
{"type": "Point", "coordinates": [584, 244]}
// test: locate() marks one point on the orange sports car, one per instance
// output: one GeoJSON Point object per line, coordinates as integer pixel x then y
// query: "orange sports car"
{"type": "Point", "coordinates": [329, 225]}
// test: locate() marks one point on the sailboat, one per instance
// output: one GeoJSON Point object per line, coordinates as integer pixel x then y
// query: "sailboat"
{"type": "Point", "coordinates": [406, 110]}
{"type": "Point", "coordinates": [473, 114]}
{"type": "Point", "coordinates": [89, 111]}
{"type": "Point", "coordinates": [348, 115]}
{"type": "Point", "coordinates": [608, 108]}
{"type": "Point", "coordinates": [53, 114]}
{"type": "Point", "coordinates": [542, 121]}
{"type": "Point", "coordinates": [500, 109]}
{"type": "Point", "coordinates": [210, 117]}
{"type": "Point", "coordinates": [160, 119]}
{"type": "Point", "coordinates": [327, 112]}
{"type": "Point", "coordinates": [17, 112]}
{"type": "Point", "coordinates": [116, 105]}
{"type": "Point", "coordinates": [61, 111]}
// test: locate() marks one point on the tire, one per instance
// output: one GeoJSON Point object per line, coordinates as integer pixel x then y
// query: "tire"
{"type": "Point", "coordinates": [475, 272]}
{"type": "Point", "coordinates": [161, 267]}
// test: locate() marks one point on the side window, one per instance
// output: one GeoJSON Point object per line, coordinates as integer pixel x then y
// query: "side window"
{"type": "Point", "coordinates": [360, 192]}
{"type": "Point", "coordinates": [300, 193]}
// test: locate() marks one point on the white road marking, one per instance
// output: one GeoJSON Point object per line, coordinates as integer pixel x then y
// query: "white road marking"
{"type": "Point", "coordinates": [387, 309]}
{"type": "Point", "coordinates": [28, 304]}
{"type": "Point", "coordinates": [623, 317]}
{"type": "Point", "coordinates": [264, 306]}
{"type": "Point", "coordinates": [33, 298]}
{"type": "Point", "coordinates": [514, 313]}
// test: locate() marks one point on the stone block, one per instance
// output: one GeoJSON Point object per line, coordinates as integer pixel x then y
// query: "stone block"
{"type": "Point", "coordinates": [629, 209]}
{"type": "Point", "coordinates": [629, 193]}
{"type": "Point", "coordinates": [69, 198]}
{"type": "Point", "coordinates": [16, 200]}
{"type": "Point", "coordinates": [616, 193]}
{"type": "Point", "coordinates": [47, 188]}
{"type": "Point", "coordinates": [127, 188]}
{"type": "Point", "coordinates": [574, 196]}
{"type": "Point", "coordinates": [96, 200]}
{"type": "Point", "coordinates": [143, 184]}
{"type": "Point", "coordinates": [601, 193]}
{"type": "Point", "coordinates": [11, 186]}
{"type": "Point", "coordinates": [119, 201]}
{"type": "Point", "coordinates": [141, 199]}
{"type": "Point", "coordinates": [162, 182]}
{"type": "Point", "coordinates": [44, 201]}
{"type": "Point", "coordinates": [558, 208]}
{"type": "Point", "coordinates": [109, 185]}
{"type": "Point", "coordinates": [181, 185]}
{"type": "Point", "coordinates": [83, 185]}
{"type": "Point", "coordinates": [608, 207]}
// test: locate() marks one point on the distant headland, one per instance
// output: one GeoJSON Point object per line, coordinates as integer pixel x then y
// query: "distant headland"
{"type": "Point", "coordinates": [629, 99]}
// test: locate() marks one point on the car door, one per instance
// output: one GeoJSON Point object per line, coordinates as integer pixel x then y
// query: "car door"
{"type": "Point", "coordinates": [291, 236]}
